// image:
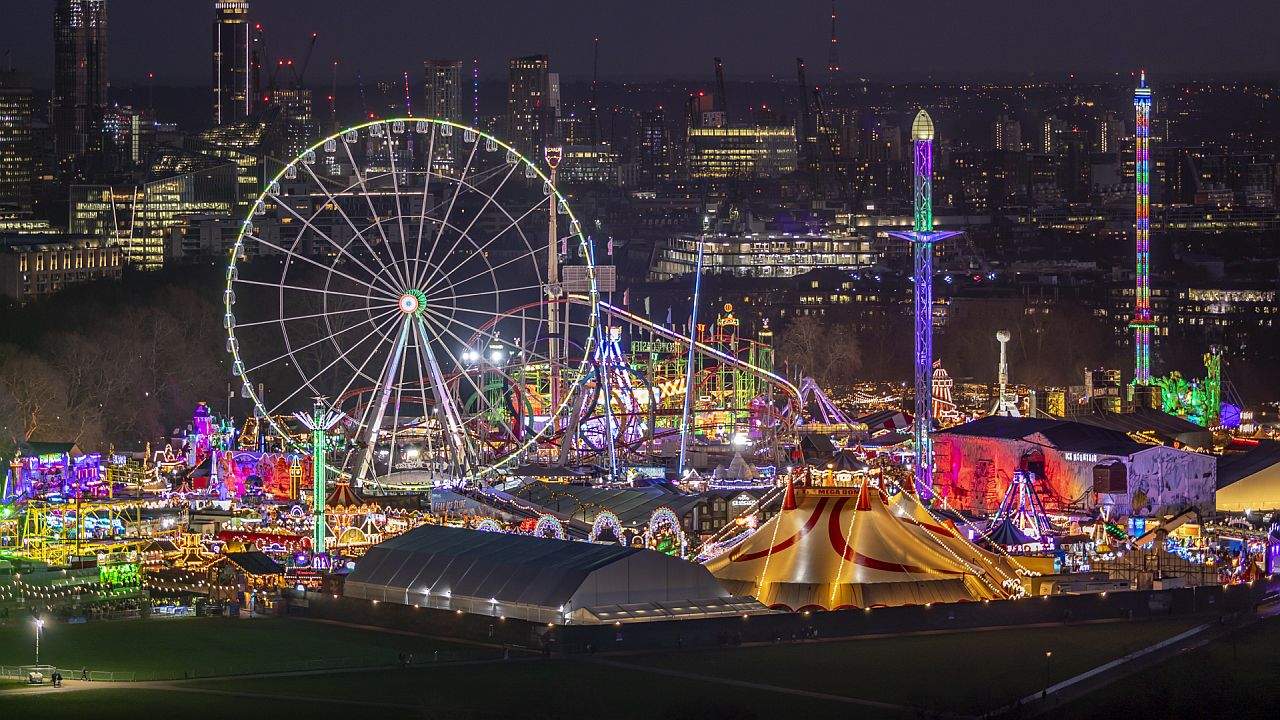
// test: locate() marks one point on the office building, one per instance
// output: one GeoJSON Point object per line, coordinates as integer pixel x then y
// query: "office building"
{"type": "Point", "coordinates": [527, 105]}
{"type": "Point", "coordinates": [16, 149]}
{"type": "Point", "coordinates": [1006, 134]}
{"type": "Point", "coordinates": [32, 267]}
{"type": "Point", "coordinates": [721, 153]}
{"type": "Point", "coordinates": [233, 91]}
{"type": "Point", "coordinates": [79, 78]}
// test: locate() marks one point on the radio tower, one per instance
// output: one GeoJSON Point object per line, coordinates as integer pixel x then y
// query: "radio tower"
{"type": "Point", "coordinates": [1142, 321]}
{"type": "Point", "coordinates": [922, 237]}
{"type": "Point", "coordinates": [833, 53]}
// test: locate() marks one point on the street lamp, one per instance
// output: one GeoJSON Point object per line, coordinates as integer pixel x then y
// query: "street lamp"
{"type": "Point", "coordinates": [39, 626]}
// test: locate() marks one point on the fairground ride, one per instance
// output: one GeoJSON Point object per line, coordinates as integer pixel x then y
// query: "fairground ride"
{"type": "Point", "coordinates": [378, 275]}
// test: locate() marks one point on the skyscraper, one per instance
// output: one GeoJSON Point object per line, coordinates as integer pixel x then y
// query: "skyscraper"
{"type": "Point", "coordinates": [79, 77]}
{"type": "Point", "coordinates": [527, 104]}
{"type": "Point", "coordinates": [233, 90]}
{"type": "Point", "coordinates": [16, 153]}
{"type": "Point", "coordinates": [443, 81]}
{"type": "Point", "coordinates": [654, 149]}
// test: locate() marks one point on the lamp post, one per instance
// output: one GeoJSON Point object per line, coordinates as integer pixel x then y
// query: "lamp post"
{"type": "Point", "coordinates": [1048, 659]}
{"type": "Point", "coordinates": [39, 626]}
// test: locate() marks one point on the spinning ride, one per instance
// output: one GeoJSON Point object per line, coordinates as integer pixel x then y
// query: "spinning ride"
{"type": "Point", "coordinates": [393, 271]}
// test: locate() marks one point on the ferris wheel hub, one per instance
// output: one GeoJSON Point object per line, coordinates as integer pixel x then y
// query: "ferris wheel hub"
{"type": "Point", "coordinates": [411, 303]}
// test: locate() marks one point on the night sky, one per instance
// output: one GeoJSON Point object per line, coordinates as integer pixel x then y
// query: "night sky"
{"type": "Point", "coordinates": [677, 38]}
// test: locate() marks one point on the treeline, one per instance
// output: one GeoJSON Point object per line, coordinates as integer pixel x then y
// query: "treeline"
{"type": "Point", "coordinates": [121, 363]}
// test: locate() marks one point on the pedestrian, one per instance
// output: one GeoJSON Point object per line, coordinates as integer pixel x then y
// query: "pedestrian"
{"type": "Point", "coordinates": [84, 673]}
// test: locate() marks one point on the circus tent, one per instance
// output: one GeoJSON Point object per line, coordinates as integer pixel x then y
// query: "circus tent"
{"type": "Point", "coordinates": [841, 547]}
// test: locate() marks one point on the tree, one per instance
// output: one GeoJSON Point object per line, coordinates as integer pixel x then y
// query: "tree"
{"type": "Point", "coordinates": [828, 352]}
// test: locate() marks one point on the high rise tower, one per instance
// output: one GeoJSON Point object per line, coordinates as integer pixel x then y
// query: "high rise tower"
{"type": "Point", "coordinates": [79, 77]}
{"type": "Point", "coordinates": [1143, 323]}
{"type": "Point", "coordinates": [17, 157]}
{"type": "Point", "coordinates": [922, 237]}
{"type": "Point", "coordinates": [443, 81]}
{"type": "Point", "coordinates": [233, 90]}
{"type": "Point", "coordinates": [528, 102]}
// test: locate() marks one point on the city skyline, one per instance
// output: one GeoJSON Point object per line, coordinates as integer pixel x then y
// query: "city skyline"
{"type": "Point", "coordinates": [955, 42]}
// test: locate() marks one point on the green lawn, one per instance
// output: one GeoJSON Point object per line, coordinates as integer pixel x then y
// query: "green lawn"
{"type": "Point", "coordinates": [956, 672]}
{"type": "Point", "coordinates": [1232, 678]}
{"type": "Point", "coordinates": [529, 690]}
{"type": "Point", "coordinates": [175, 648]}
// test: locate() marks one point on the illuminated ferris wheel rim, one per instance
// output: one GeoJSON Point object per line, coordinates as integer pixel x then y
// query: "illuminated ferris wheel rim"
{"type": "Point", "coordinates": [411, 301]}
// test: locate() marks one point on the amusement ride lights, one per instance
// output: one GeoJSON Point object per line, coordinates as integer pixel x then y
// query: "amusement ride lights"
{"type": "Point", "coordinates": [922, 237]}
{"type": "Point", "coordinates": [1143, 322]}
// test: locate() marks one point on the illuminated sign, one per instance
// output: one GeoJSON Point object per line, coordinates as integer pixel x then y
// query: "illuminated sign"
{"type": "Point", "coordinates": [1080, 457]}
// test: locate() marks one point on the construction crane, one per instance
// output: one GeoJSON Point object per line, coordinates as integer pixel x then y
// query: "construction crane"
{"type": "Point", "coordinates": [721, 98]}
{"type": "Point", "coordinates": [306, 60]}
{"type": "Point", "coordinates": [808, 136]}
{"type": "Point", "coordinates": [595, 107]}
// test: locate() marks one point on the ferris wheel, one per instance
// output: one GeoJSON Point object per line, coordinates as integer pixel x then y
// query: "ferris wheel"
{"type": "Point", "coordinates": [413, 275]}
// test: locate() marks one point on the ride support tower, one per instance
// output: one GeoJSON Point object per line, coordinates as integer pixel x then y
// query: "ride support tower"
{"type": "Point", "coordinates": [1143, 322]}
{"type": "Point", "coordinates": [922, 238]}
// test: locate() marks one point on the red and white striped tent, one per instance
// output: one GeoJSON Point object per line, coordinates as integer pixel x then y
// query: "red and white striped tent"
{"type": "Point", "coordinates": [851, 547]}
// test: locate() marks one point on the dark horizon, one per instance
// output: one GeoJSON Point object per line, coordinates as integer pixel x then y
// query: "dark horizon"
{"type": "Point", "coordinates": [923, 40]}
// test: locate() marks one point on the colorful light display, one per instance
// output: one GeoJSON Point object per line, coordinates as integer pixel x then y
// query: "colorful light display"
{"type": "Point", "coordinates": [1142, 320]}
{"type": "Point", "coordinates": [922, 238]}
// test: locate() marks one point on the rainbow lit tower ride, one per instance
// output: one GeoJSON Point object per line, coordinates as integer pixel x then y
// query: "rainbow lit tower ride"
{"type": "Point", "coordinates": [1142, 320]}
{"type": "Point", "coordinates": [922, 238]}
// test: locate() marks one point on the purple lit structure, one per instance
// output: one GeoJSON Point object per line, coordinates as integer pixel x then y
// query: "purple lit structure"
{"type": "Point", "coordinates": [922, 237]}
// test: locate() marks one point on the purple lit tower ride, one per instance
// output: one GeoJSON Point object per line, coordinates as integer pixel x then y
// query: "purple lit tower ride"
{"type": "Point", "coordinates": [922, 237]}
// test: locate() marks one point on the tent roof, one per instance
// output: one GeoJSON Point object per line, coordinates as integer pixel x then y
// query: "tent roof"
{"type": "Point", "coordinates": [1237, 466]}
{"type": "Point", "coordinates": [1062, 434]}
{"type": "Point", "coordinates": [858, 548]}
{"type": "Point", "coordinates": [343, 496]}
{"type": "Point", "coordinates": [255, 562]}
{"type": "Point", "coordinates": [1006, 533]}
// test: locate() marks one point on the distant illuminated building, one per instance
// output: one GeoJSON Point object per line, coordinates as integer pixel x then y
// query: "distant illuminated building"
{"type": "Point", "coordinates": [32, 267]}
{"type": "Point", "coordinates": [736, 152]}
{"type": "Point", "coordinates": [233, 91]}
{"type": "Point", "coordinates": [528, 103]}
{"type": "Point", "coordinates": [760, 255]}
{"type": "Point", "coordinates": [79, 77]}
{"type": "Point", "coordinates": [587, 164]}
{"type": "Point", "coordinates": [140, 218]}
{"type": "Point", "coordinates": [654, 149]}
{"type": "Point", "coordinates": [17, 161]}
{"type": "Point", "coordinates": [299, 126]}
{"type": "Point", "coordinates": [443, 82]}
{"type": "Point", "coordinates": [1006, 134]}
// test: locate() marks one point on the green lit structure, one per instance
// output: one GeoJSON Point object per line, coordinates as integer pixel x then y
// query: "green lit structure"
{"type": "Point", "coordinates": [1199, 401]}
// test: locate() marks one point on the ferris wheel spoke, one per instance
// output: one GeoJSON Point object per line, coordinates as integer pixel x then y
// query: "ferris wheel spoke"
{"type": "Point", "coordinates": [480, 394]}
{"type": "Point", "coordinates": [276, 321]}
{"type": "Point", "coordinates": [340, 248]}
{"type": "Point", "coordinates": [498, 291]}
{"type": "Point", "coordinates": [359, 374]}
{"type": "Point", "coordinates": [456, 431]}
{"type": "Point", "coordinates": [338, 207]}
{"type": "Point", "coordinates": [322, 266]}
{"type": "Point", "coordinates": [467, 232]}
{"type": "Point", "coordinates": [299, 288]}
{"type": "Point", "coordinates": [306, 381]}
{"type": "Point", "coordinates": [373, 319]}
{"type": "Point", "coordinates": [444, 223]}
{"type": "Point", "coordinates": [373, 214]}
{"type": "Point", "coordinates": [395, 190]}
{"type": "Point", "coordinates": [480, 252]}
{"type": "Point", "coordinates": [426, 197]}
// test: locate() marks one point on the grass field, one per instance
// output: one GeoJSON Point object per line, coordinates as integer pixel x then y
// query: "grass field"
{"type": "Point", "coordinates": [964, 673]}
{"type": "Point", "coordinates": [956, 672]}
{"type": "Point", "coordinates": [1230, 677]}
{"type": "Point", "coordinates": [177, 648]}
